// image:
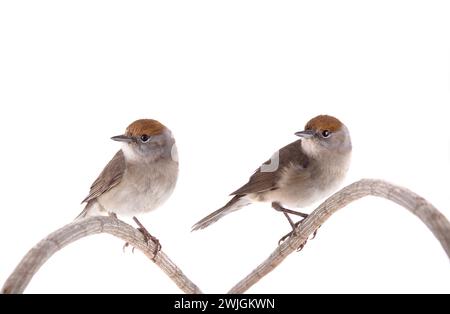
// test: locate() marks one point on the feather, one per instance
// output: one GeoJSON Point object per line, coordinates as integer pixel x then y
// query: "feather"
{"type": "Point", "coordinates": [262, 181]}
{"type": "Point", "coordinates": [110, 177]}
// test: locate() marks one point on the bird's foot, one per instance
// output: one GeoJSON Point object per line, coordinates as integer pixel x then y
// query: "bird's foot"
{"type": "Point", "coordinates": [278, 207]}
{"type": "Point", "coordinates": [287, 236]}
{"type": "Point", "coordinates": [294, 233]}
{"type": "Point", "coordinates": [290, 234]}
{"type": "Point", "coordinates": [148, 237]}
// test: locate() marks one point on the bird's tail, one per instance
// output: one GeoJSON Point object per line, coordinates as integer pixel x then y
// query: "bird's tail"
{"type": "Point", "coordinates": [82, 214]}
{"type": "Point", "coordinates": [234, 204]}
{"type": "Point", "coordinates": [86, 211]}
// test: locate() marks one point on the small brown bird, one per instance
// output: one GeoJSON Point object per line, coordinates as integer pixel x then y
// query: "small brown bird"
{"type": "Point", "coordinates": [140, 177]}
{"type": "Point", "coordinates": [299, 174]}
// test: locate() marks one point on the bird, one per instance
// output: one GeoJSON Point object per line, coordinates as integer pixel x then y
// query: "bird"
{"type": "Point", "coordinates": [298, 174]}
{"type": "Point", "coordinates": [139, 178]}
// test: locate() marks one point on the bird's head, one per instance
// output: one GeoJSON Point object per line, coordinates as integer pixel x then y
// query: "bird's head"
{"type": "Point", "coordinates": [148, 140]}
{"type": "Point", "coordinates": [324, 136]}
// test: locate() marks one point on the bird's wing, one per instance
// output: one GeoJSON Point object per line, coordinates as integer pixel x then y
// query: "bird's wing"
{"type": "Point", "coordinates": [110, 176]}
{"type": "Point", "coordinates": [265, 178]}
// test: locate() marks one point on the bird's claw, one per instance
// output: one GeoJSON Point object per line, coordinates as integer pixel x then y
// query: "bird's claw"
{"type": "Point", "coordinates": [127, 245]}
{"type": "Point", "coordinates": [300, 248]}
{"type": "Point", "coordinates": [285, 237]}
{"type": "Point", "coordinates": [315, 233]}
{"type": "Point", "coordinates": [289, 234]}
{"type": "Point", "coordinates": [293, 233]}
{"type": "Point", "coordinates": [148, 237]}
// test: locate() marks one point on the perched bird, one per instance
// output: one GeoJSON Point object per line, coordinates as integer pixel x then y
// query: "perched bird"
{"type": "Point", "coordinates": [299, 174]}
{"type": "Point", "coordinates": [140, 177]}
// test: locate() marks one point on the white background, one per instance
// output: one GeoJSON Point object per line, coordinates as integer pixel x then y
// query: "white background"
{"type": "Point", "coordinates": [233, 80]}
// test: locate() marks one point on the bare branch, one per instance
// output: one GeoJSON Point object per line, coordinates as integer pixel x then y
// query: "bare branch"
{"type": "Point", "coordinates": [38, 255]}
{"type": "Point", "coordinates": [417, 205]}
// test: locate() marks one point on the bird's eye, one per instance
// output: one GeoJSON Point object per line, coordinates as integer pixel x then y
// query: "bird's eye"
{"type": "Point", "coordinates": [145, 138]}
{"type": "Point", "coordinates": [326, 133]}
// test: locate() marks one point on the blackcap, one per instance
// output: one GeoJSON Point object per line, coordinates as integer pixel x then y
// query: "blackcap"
{"type": "Point", "coordinates": [299, 174]}
{"type": "Point", "coordinates": [140, 177]}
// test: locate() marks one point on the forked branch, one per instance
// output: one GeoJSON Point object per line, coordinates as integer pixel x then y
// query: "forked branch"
{"type": "Point", "coordinates": [37, 256]}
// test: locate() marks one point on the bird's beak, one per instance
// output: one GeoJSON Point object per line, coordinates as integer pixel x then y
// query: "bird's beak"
{"type": "Point", "coordinates": [305, 133]}
{"type": "Point", "coordinates": [122, 138]}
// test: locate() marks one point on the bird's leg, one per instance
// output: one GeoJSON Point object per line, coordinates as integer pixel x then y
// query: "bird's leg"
{"type": "Point", "coordinates": [289, 234]}
{"type": "Point", "coordinates": [278, 207]}
{"type": "Point", "coordinates": [112, 215]}
{"type": "Point", "coordinates": [290, 221]}
{"type": "Point", "coordinates": [285, 211]}
{"type": "Point", "coordinates": [294, 226]}
{"type": "Point", "coordinates": [148, 237]}
{"type": "Point", "coordinates": [293, 232]}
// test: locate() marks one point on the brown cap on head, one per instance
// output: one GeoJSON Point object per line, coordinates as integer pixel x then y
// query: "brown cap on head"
{"type": "Point", "coordinates": [145, 126]}
{"type": "Point", "coordinates": [324, 122]}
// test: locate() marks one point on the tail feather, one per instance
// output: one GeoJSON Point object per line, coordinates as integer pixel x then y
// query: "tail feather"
{"type": "Point", "coordinates": [92, 208]}
{"type": "Point", "coordinates": [234, 204]}
{"type": "Point", "coordinates": [83, 213]}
